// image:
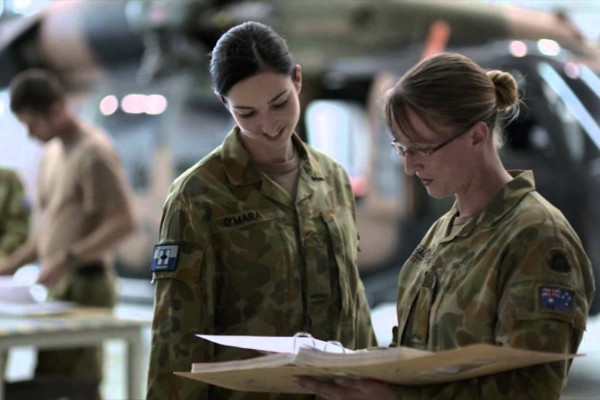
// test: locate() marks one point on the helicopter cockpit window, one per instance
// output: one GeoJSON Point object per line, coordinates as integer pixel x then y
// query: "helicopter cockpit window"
{"type": "Point", "coordinates": [574, 139]}
{"type": "Point", "coordinates": [340, 130]}
{"type": "Point", "coordinates": [525, 132]}
{"type": "Point", "coordinates": [575, 108]}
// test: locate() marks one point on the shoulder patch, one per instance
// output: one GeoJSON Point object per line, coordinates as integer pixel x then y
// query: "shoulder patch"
{"type": "Point", "coordinates": [557, 261]}
{"type": "Point", "coordinates": [165, 257]}
{"type": "Point", "coordinates": [555, 298]}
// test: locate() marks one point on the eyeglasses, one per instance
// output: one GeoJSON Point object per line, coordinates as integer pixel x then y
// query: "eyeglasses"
{"type": "Point", "coordinates": [425, 151]}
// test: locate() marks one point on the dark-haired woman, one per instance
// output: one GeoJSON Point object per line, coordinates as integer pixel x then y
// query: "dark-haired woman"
{"type": "Point", "coordinates": [257, 238]}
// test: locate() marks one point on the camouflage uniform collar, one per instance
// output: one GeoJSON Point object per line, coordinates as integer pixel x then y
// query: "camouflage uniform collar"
{"type": "Point", "coordinates": [503, 202]}
{"type": "Point", "coordinates": [308, 161]}
{"type": "Point", "coordinates": [241, 171]}
{"type": "Point", "coordinates": [508, 197]}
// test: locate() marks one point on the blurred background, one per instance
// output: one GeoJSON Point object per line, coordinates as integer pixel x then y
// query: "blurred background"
{"type": "Point", "coordinates": [139, 69]}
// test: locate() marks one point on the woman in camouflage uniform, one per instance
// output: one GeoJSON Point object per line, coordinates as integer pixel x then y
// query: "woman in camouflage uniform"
{"type": "Point", "coordinates": [503, 266]}
{"type": "Point", "coordinates": [259, 237]}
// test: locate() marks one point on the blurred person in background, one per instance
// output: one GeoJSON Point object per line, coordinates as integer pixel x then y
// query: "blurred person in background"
{"type": "Point", "coordinates": [503, 266]}
{"type": "Point", "coordinates": [259, 237]}
{"type": "Point", "coordinates": [14, 213]}
{"type": "Point", "coordinates": [14, 219]}
{"type": "Point", "coordinates": [83, 201]}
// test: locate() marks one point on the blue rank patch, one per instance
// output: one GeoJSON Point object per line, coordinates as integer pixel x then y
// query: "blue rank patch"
{"type": "Point", "coordinates": [556, 298]}
{"type": "Point", "coordinates": [165, 257]}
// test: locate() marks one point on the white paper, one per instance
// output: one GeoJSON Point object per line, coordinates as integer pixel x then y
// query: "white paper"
{"type": "Point", "coordinates": [36, 309]}
{"type": "Point", "coordinates": [12, 291]}
{"type": "Point", "coordinates": [21, 299]}
{"type": "Point", "coordinates": [276, 344]}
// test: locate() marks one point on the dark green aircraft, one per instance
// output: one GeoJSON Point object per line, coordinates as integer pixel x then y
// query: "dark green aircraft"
{"type": "Point", "coordinates": [114, 52]}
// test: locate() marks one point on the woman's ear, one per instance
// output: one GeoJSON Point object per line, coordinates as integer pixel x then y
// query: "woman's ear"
{"type": "Point", "coordinates": [223, 101]}
{"type": "Point", "coordinates": [297, 78]}
{"type": "Point", "coordinates": [480, 134]}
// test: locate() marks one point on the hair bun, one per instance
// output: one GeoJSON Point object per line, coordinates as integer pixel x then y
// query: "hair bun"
{"type": "Point", "coordinates": [507, 94]}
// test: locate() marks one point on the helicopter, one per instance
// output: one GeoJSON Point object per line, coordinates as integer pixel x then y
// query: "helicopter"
{"type": "Point", "coordinates": [139, 69]}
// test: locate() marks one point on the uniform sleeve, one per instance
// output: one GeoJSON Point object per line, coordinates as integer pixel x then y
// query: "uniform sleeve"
{"type": "Point", "coordinates": [546, 286]}
{"type": "Point", "coordinates": [184, 306]}
{"type": "Point", "coordinates": [14, 215]}
{"type": "Point", "coordinates": [365, 335]}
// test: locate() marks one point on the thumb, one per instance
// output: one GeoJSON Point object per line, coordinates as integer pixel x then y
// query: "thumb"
{"type": "Point", "coordinates": [350, 383]}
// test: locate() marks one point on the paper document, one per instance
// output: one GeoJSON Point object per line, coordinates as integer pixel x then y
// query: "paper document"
{"type": "Point", "coordinates": [276, 344]}
{"type": "Point", "coordinates": [21, 299]}
{"type": "Point", "coordinates": [402, 365]}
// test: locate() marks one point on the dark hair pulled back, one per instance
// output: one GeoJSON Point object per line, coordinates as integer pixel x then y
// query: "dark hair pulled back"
{"type": "Point", "coordinates": [246, 50]}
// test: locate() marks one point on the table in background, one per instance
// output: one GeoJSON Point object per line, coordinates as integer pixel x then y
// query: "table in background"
{"type": "Point", "coordinates": [76, 328]}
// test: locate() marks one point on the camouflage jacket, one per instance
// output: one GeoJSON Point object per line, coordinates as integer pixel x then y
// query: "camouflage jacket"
{"type": "Point", "coordinates": [14, 213]}
{"type": "Point", "coordinates": [514, 275]}
{"type": "Point", "coordinates": [237, 256]}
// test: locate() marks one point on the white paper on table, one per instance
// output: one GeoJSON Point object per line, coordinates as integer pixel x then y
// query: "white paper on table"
{"type": "Point", "coordinates": [36, 309]}
{"type": "Point", "coordinates": [20, 299]}
{"type": "Point", "coordinates": [276, 344]}
{"type": "Point", "coordinates": [12, 291]}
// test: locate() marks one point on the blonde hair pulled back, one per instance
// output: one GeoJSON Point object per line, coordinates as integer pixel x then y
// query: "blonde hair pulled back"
{"type": "Point", "coordinates": [450, 88]}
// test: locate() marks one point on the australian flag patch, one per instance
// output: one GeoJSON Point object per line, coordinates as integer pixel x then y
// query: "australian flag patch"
{"type": "Point", "coordinates": [556, 298]}
{"type": "Point", "coordinates": [165, 257]}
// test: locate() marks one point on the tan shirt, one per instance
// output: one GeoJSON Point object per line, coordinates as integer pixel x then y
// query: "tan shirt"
{"type": "Point", "coordinates": [78, 181]}
{"type": "Point", "coordinates": [284, 174]}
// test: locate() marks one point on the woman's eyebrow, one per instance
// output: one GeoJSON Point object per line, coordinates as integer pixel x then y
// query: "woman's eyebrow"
{"type": "Point", "coordinates": [274, 99]}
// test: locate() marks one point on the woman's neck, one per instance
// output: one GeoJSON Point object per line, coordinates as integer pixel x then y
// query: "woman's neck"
{"type": "Point", "coordinates": [482, 189]}
{"type": "Point", "coordinates": [261, 154]}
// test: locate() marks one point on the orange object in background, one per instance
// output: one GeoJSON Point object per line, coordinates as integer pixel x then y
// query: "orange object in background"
{"type": "Point", "coordinates": [437, 38]}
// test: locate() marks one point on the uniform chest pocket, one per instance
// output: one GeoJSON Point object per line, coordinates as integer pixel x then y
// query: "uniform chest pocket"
{"type": "Point", "coordinates": [343, 241]}
{"type": "Point", "coordinates": [330, 237]}
{"type": "Point", "coordinates": [415, 331]}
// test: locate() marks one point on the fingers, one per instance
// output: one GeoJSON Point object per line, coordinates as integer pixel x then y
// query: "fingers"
{"type": "Point", "coordinates": [326, 390]}
{"type": "Point", "coordinates": [347, 389]}
{"type": "Point", "coordinates": [349, 383]}
{"type": "Point", "coordinates": [46, 278]}
{"type": "Point", "coordinates": [339, 389]}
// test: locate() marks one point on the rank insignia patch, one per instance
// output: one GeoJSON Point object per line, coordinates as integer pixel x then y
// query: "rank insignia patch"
{"type": "Point", "coordinates": [556, 298]}
{"type": "Point", "coordinates": [557, 261]}
{"type": "Point", "coordinates": [165, 257]}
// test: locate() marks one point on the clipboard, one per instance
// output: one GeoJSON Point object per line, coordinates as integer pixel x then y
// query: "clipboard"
{"type": "Point", "coordinates": [275, 372]}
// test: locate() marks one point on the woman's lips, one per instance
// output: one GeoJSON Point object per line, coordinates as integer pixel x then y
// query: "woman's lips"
{"type": "Point", "coordinates": [277, 135]}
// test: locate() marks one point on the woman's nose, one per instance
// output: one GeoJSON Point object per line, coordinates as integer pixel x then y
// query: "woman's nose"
{"type": "Point", "coordinates": [269, 126]}
{"type": "Point", "coordinates": [411, 163]}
